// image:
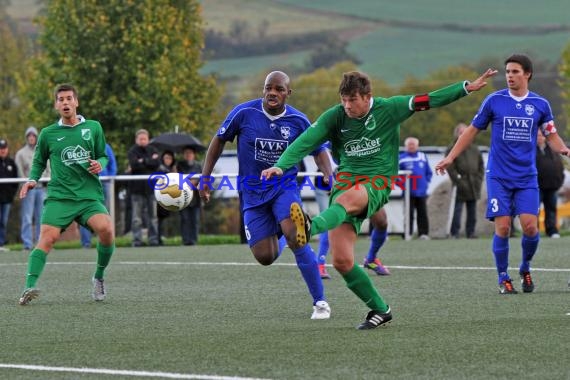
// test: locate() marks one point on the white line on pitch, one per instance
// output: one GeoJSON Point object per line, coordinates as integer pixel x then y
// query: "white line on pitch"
{"type": "Point", "coordinates": [207, 263]}
{"type": "Point", "coordinates": [166, 375]}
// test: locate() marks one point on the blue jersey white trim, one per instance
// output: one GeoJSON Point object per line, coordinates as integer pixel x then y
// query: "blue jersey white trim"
{"type": "Point", "coordinates": [514, 126]}
{"type": "Point", "coordinates": [261, 139]}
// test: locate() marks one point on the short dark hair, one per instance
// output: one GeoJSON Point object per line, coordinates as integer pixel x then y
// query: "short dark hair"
{"type": "Point", "coordinates": [65, 87]}
{"type": "Point", "coordinates": [355, 82]}
{"type": "Point", "coordinates": [522, 60]}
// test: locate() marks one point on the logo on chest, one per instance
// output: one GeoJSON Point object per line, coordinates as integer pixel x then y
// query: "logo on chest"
{"type": "Point", "coordinates": [74, 155]}
{"type": "Point", "coordinates": [86, 134]}
{"type": "Point", "coordinates": [285, 132]}
{"type": "Point", "coordinates": [362, 147]}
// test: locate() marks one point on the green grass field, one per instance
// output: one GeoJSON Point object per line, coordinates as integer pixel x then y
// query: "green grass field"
{"type": "Point", "coordinates": [211, 312]}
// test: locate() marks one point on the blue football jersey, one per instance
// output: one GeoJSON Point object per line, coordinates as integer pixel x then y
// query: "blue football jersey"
{"type": "Point", "coordinates": [514, 126]}
{"type": "Point", "coordinates": [261, 139]}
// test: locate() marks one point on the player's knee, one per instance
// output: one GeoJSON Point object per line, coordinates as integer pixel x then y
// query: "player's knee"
{"type": "Point", "coordinates": [264, 258]}
{"type": "Point", "coordinates": [529, 229]}
{"type": "Point", "coordinates": [343, 265]}
{"type": "Point", "coordinates": [503, 231]}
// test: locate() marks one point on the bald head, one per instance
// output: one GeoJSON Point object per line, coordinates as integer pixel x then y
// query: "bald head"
{"type": "Point", "coordinates": [412, 144]}
{"type": "Point", "coordinates": [279, 76]}
{"type": "Point", "coordinates": [276, 90]}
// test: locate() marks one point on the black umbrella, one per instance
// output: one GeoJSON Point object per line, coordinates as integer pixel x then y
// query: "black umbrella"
{"type": "Point", "coordinates": [176, 142]}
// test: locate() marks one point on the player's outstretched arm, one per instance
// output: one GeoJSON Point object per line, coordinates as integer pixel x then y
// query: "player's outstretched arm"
{"type": "Point", "coordinates": [462, 143]}
{"type": "Point", "coordinates": [480, 82]}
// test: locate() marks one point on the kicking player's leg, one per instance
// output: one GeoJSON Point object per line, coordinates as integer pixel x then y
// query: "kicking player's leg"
{"type": "Point", "coordinates": [342, 240]}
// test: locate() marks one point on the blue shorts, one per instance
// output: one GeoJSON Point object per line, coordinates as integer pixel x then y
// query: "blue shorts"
{"type": "Point", "coordinates": [263, 221]}
{"type": "Point", "coordinates": [511, 198]}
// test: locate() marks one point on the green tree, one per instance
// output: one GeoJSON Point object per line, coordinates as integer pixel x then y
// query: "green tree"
{"type": "Point", "coordinates": [135, 63]}
{"type": "Point", "coordinates": [564, 82]}
{"type": "Point", "coordinates": [12, 57]}
{"type": "Point", "coordinates": [436, 127]}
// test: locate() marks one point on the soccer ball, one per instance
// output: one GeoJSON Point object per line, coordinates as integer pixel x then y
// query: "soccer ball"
{"type": "Point", "coordinates": [170, 195]}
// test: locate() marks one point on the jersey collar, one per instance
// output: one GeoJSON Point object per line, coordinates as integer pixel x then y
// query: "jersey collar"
{"type": "Point", "coordinates": [79, 117]}
{"type": "Point", "coordinates": [273, 117]}
{"type": "Point", "coordinates": [518, 98]}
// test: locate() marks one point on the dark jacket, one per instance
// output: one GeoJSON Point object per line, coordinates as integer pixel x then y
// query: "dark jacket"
{"type": "Point", "coordinates": [142, 162]}
{"type": "Point", "coordinates": [467, 173]}
{"type": "Point", "coordinates": [8, 169]}
{"type": "Point", "coordinates": [550, 169]}
{"type": "Point", "coordinates": [194, 167]}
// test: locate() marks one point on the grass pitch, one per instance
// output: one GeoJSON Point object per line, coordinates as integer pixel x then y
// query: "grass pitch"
{"type": "Point", "coordinates": [211, 312]}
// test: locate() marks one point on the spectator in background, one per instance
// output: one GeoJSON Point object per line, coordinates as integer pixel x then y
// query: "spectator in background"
{"type": "Point", "coordinates": [417, 162]}
{"type": "Point", "coordinates": [167, 165]}
{"type": "Point", "coordinates": [143, 159]}
{"type": "Point", "coordinates": [32, 205]}
{"type": "Point", "coordinates": [109, 170]}
{"type": "Point", "coordinates": [466, 174]}
{"type": "Point", "coordinates": [8, 169]}
{"type": "Point", "coordinates": [190, 216]}
{"type": "Point", "coordinates": [550, 178]}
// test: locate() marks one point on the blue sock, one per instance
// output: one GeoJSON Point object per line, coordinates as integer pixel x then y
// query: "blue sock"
{"type": "Point", "coordinates": [377, 240]}
{"type": "Point", "coordinates": [529, 246]}
{"type": "Point", "coordinates": [282, 243]}
{"type": "Point", "coordinates": [501, 252]}
{"type": "Point", "coordinates": [307, 264]}
{"type": "Point", "coordinates": [323, 247]}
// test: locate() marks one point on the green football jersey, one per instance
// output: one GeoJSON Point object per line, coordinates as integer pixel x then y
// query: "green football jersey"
{"type": "Point", "coordinates": [68, 149]}
{"type": "Point", "coordinates": [368, 146]}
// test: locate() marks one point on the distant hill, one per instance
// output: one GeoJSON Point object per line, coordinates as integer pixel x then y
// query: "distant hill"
{"type": "Point", "coordinates": [392, 39]}
{"type": "Point", "coordinates": [398, 39]}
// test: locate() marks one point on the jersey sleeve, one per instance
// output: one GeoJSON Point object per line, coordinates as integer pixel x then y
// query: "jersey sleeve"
{"type": "Point", "coordinates": [311, 140]}
{"type": "Point", "coordinates": [41, 156]}
{"type": "Point", "coordinates": [100, 147]}
{"type": "Point", "coordinates": [484, 115]}
{"type": "Point", "coordinates": [547, 121]}
{"type": "Point", "coordinates": [447, 95]}
{"type": "Point", "coordinates": [230, 126]}
{"type": "Point", "coordinates": [404, 106]}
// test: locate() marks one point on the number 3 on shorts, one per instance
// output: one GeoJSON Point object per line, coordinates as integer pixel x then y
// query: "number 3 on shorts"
{"type": "Point", "coordinates": [494, 205]}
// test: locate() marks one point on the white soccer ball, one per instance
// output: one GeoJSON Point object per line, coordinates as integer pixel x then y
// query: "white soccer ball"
{"type": "Point", "coordinates": [170, 195]}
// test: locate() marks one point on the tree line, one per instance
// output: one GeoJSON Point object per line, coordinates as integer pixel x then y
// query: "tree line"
{"type": "Point", "coordinates": [137, 65]}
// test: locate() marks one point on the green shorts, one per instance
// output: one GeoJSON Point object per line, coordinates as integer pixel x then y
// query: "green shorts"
{"type": "Point", "coordinates": [61, 213]}
{"type": "Point", "coordinates": [376, 200]}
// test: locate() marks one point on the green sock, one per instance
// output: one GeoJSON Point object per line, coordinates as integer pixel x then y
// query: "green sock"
{"type": "Point", "coordinates": [104, 254]}
{"type": "Point", "coordinates": [327, 220]}
{"type": "Point", "coordinates": [358, 281]}
{"type": "Point", "coordinates": [36, 264]}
